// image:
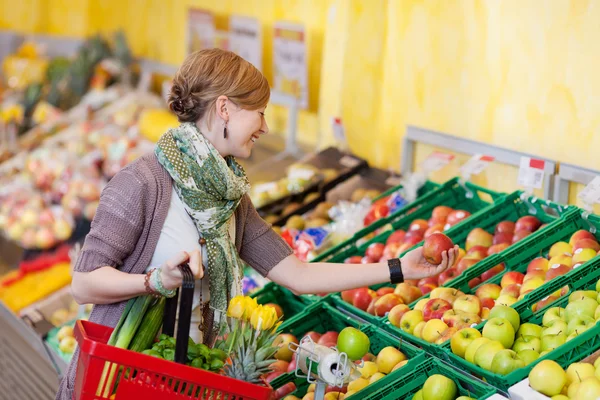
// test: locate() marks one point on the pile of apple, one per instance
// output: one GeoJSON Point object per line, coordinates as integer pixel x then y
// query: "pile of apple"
{"type": "Point", "coordinates": [580, 381]}
{"type": "Point", "coordinates": [562, 258]}
{"type": "Point", "coordinates": [439, 387]}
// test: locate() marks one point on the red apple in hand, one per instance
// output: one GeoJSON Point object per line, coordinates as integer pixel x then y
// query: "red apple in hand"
{"type": "Point", "coordinates": [528, 223]}
{"type": "Point", "coordinates": [447, 275]}
{"type": "Point", "coordinates": [435, 244]}
{"type": "Point", "coordinates": [375, 251]}
{"type": "Point", "coordinates": [435, 309]}
{"type": "Point", "coordinates": [505, 227]}
{"type": "Point", "coordinates": [386, 302]}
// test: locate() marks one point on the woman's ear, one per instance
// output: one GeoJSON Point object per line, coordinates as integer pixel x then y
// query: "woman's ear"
{"type": "Point", "coordinates": [221, 108]}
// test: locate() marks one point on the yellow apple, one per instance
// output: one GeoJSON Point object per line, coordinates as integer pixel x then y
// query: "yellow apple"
{"type": "Point", "coordinates": [434, 328]}
{"type": "Point", "coordinates": [577, 372]}
{"type": "Point", "coordinates": [377, 376]}
{"type": "Point", "coordinates": [418, 332]}
{"type": "Point", "coordinates": [368, 369]}
{"type": "Point", "coordinates": [388, 357]}
{"type": "Point", "coordinates": [358, 384]}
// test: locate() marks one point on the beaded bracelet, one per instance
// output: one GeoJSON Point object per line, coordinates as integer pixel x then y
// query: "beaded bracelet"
{"type": "Point", "coordinates": [156, 282]}
{"type": "Point", "coordinates": [149, 289]}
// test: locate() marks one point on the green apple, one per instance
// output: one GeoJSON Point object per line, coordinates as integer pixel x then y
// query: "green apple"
{"type": "Point", "coordinates": [507, 313]}
{"type": "Point", "coordinates": [578, 371]}
{"type": "Point", "coordinates": [462, 339]}
{"type": "Point", "coordinates": [418, 395]}
{"type": "Point", "coordinates": [589, 388]}
{"type": "Point", "coordinates": [580, 294]}
{"type": "Point", "coordinates": [527, 343]}
{"type": "Point", "coordinates": [579, 324]}
{"type": "Point", "coordinates": [555, 326]}
{"type": "Point", "coordinates": [548, 378]}
{"type": "Point", "coordinates": [500, 329]}
{"type": "Point", "coordinates": [439, 387]}
{"type": "Point", "coordinates": [572, 336]}
{"type": "Point", "coordinates": [529, 329]}
{"type": "Point", "coordinates": [528, 356]}
{"type": "Point", "coordinates": [484, 356]}
{"type": "Point", "coordinates": [473, 347]}
{"type": "Point", "coordinates": [506, 361]}
{"type": "Point", "coordinates": [581, 307]}
{"type": "Point", "coordinates": [552, 314]}
{"type": "Point", "coordinates": [550, 342]}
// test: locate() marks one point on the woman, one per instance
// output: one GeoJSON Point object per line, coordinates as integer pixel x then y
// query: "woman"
{"type": "Point", "coordinates": [189, 202]}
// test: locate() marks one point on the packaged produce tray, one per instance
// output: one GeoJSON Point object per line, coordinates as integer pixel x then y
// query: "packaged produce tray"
{"type": "Point", "coordinates": [465, 196]}
{"type": "Point", "coordinates": [290, 303]}
{"type": "Point", "coordinates": [322, 317]}
{"type": "Point", "coordinates": [572, 351]}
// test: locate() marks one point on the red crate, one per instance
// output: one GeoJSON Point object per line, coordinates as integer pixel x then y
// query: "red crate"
{"type": "Point", "coordinates": [148, 377]}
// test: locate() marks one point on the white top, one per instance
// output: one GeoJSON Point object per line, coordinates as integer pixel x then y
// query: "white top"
{"type": "Point", "coordinates": [179, 233]}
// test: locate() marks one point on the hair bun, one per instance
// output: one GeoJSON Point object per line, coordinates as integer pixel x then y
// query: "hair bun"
{"type": "Point", "coordinates": [183, 103]}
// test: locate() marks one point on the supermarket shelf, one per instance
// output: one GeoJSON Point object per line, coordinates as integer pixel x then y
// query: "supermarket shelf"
{"type": "Point", "coordinates": [569, 173]}
{"type": "Point", "coordinates": [415, 135]}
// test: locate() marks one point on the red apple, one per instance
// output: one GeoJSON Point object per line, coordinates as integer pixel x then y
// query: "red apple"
{"type": "Point", "coordinates": [488, 303]}
{"type": "Point", "coordinates": [488, 291]}
{"type": "Point", "coordinates": [427, 288]}
{"type": "Point", "coordinates": [539, 263]}
{"type": "Point", "coordinates": [492, 272]}
{"type": "Point", "coordinates": [348, 295]}
{"type": "Point", "coordinates": [513, 290]}
{"type": "Point", "coordinates": [451, 318]}
{"type": "Point", "coordinates": [540, 305]}
{"type": "Point", "coordinates": [435, 309]}
{"type": "Point", "coordinates": [528, 223]}
{"type": "Point", "coordinates": [415, 234]}
{"type": "Point", "coordinates": [478, 237]}
{"type": "Point", "coordinates": [292, 365]}
{"type": "Point", "coordinates": [580, 234]}
{"type": "Point", "coordinates": [441, 212]}
{"type": "Point", "coordinates": [384, 290]}
{"type": "Point", "coordinates": [396, 314]}
{"type": "Point", "coordinates": [424, 281]}
{"type": "Point", "coordinates": [434, 246]}
{"type": "Point", "coordinates": [371, 307]}
{"type": "Point", "coordinates": [396, 237]}
{"type": "Point", "coordinates": [437, 228]}
{"type": "Point", "coordinates": [418, 225]}
{"type": "Point", "coordinates": [474, 282]}
{"type": "Point", "coordinates": [505, 227]}
{"type": "Point", "coordinates": [520, 235]}
{"type": "Point", "coordinates": [369, 260]}
{"type": "Point", "coordinates": [536, 273]}
{"type": "Point", "coordinates": [456, 216]}
{"type": "Point", "coordinates": [447, 275]}
{"type": "Point", "coordinates": [375, 251]}
{"type": "Point", "coordinates": [353, 260]}
{"type": "Point", "coordinates": [362, 298]}
{"type": "Point", "coordinates": [408, 293]}
{"type": "Point", "coordinates": [556, 270]}
{"type": "Point", "coordinates": [388, 301]}
{"type": "Point", "coordinates": [274, 374]}
{"type": "Point", "coordinates": [477, 249]}
{"type": "Point", "coordinates": [465, 263]}
{"type": "Point", "coordinates": [327, 337]}
{"type": "Point", "coordinates": [414, 282]}
{"type": "Point", "coordinates": [497, 248]}
{"type": "Point", "coordinates": [503, 237]}
{"type": "Point", "coordinates": [279, 365]}
{"type": "Point", "coordinates": [511, 278]}
{"type": "Point", "coordinates": [315, 336]}
{"type": "Point", "coordinates": [586, 244]}
{"type": "Point", "coordinates": [436, 221]}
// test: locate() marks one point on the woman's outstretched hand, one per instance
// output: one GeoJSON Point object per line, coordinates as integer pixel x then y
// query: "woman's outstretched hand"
{"type": "Point", "coordinates": [414, 265]}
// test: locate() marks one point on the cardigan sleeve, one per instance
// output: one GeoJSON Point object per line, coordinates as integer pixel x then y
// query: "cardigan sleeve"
{"type": "Point", "coordinates": [262, 248]}
{"type": "Point", "coordinates": [118, 223]}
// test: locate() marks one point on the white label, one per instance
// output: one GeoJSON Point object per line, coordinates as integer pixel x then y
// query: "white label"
{"type": "Point", "coordinates": [436, 161]}
{"type": "Point", "coordinates": [475, 165]}
{"type": "Point", "coordinates": [245, 39]}
{"type": "Point", "coordinates": [531, 173]}
{"type": "Point", "coordinates": [349, 161]}
{"type": "Point", "coordinates": [289, 61]}
{"type": "Point", "coordinates": [201, 30]}
{"type": "Point", "coordinates": [591, 193]}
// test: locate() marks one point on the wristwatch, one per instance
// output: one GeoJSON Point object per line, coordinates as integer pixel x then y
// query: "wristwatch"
{"type": "Point", "coordinates": [395, 266]}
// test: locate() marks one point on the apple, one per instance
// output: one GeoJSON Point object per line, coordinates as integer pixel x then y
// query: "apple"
{"type": "Point", "coordinates": [418, 331]}
{"type": "Point", "coordinates": [384, 290]}
{"type": "Point", "coordinates": [435, 228]}
{"type": "Point", "coordinates": [348, 295]}
{"type": "Point", "coordinates": [387, 358]}
{"type": "Point", "coordinates": [362, 298]}
{"type": "Point", "coordinates": [580, 234]}
{"type": "Point", "coordinates": [353, 260]}
{"type": "Point", "coordinates": [386, 302]}
{"type": "Point", "coordinates": [482, 250]}
{"type": "Point", "coordinates": [489, 290]}
{"type": "Point", "coordinates": [486, 353]}
{"type": "Point", "coordinates": [508, 313]}
{"type": "Point", "coordinates": [434, 245]}
{"type": "Point", "coordinates": [353, 342]}
{"type": "Point", "coordinates": [560, 248]}
{"type": "Point", "coordinates": [492, 272]}
{"type": "Point", "coordinates": [528, 223]}
{"type": "Point", "coordinates": [356, 385]}
{"type": "Point", "coordinates": [556, 270]}
{"type": "Point", "coordinates": [540, 305]}
{"type": "Point", "coordinates": [548, 378]}
{"type": "Point", "coordinates": [396, 237]}
{"type": "Point", "coordinates": [462, 339]}
{"type": "Point", "coordinates": [396, 313]}
{"type": "Point", "coordinates": [512, 278]}
{"type": "Point", "coordinates": [505, 227]}
{"type": "Point", "coordinates": [554, 327]}
{"type": "Point", "coordinates": [390, 251]}
{"type": "Point", "coordinates": [409, 320]}
{"type": "Point", "coordinates": [506, 300]}
{"type": "Point", "coordinates": [539, 274]}
{"type": "Point", "coordinates": [375, 251]}
{"type": "Point", "coordinates": [583, 307]}
{"type": "Point", "coordinates": [439, 387]}
{"type": "Point", "coordinates": [528, 356]}
{"type": "Point", "coordinates": [435, 309]}
{"type": "Point", "coordinates": [476, 255]}
{"type": "Point", "coordinates": [532, 284]}
{"type": "Point", "coordinates": [552, 314]}
{"type": "Point", "coordinates": [561, 259]}
{"type": "Point", "coordinates": [579, 371]}
{"type": "Point", "coordinates": [447, 275]}
{"type": "Point", "coordinates": [464, 264]}
{"type": "Point", "coordinates": [441, 212]}
{"type": "Point", "coordinates": [425, 281]}
{"type": "Point", "coordinates": [539, 263]}
{"type": "Point", "coordinates": [427, 288]}
{"type": "Point", "coordinates": [581, 294]}
{"type": "Point", "coordinates": [467, 304]}
{"type": "Point", "coordinates": [511, 290]}
{"type": "Point", "coordinates": [503, 237]}
{"type": "Point", "coordinates": [520, 235]}
{"type": "Point", "coordinates": [580, 324]}
{"type": "Point", "coordinates": [597, 312]}
{"type": "Point", "coordinates": [473, 347]}
{"type": "Point", "coordinates": [527, 343]}
{"type": "Point", "coordinates": [421, 304]}
{"type": "Point", "coordinates": [329, 337]}
{"type": "Point", "coordinates": [67, 344]}
{"type": "Point", "coordinates": [485, 312]}
{"type": "Point", "coordinates": [280, 366]}
{"type": "Point", "coordinates": [400, 365]}
{"type": "Point", "coordinates": [506, 361]}
{"type": "Point", "coordinates": [497, 248]}
{"type": "Point", "coordinates": [474, 282]}
{"type": "Point", "coordinates": [451, 318]}
{"type": "Point", "coordinates": [448, 294]}
{"type": "Point", "coordinates": [551, 342]}
{"type": "Point", "coordinates": [581, 256]}
{"type": "Point", "coordinates": [456, 216]}
{"type": "Point", "coordinates": [282, 341]}
{"type": "Point", "coordinates": [284, 390]}
{"type": "Point", "coordinates": [369, 260]}
{"type": "Point", "coordinates": [371, 307]}
{"type": "Point", "coordinates": [446, 335]}
{"type": "Point", "coordinates": [478, 237]}
{"type": "Point", "coordinates": [499, 329]}
{"type": "Point", "coordinates": [589, 388]}
{"type": "Point", "coordinates": [433, 329]}
{"type": "Point", "coordinates": [417, 225]}
{"type": "Point", "coordinates": [407, 292]}
{"type": "Point", "coordinates": [529, 329]}
{"type": "Point", "coordinates": [586, 244]}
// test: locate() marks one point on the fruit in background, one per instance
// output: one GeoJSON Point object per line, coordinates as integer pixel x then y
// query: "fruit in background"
{"type": "Point", "coordinates": [551, 342]}
{"type": "Point", "coordinates": [556, 270]}
{"type": "Point", "coordinates": [560, 248]}
{"type": "Point", "coordinates": [506, 300]}
{"type": "Point", "coordinates": [528, 356]}
{"type": "Point", "coordinates": [586, 244]}
{"type": "Point", "coordinates": [446, 335]}
{"type": "Point", "coordinates": [583, 255]}
{"type": "Point", "coordinates": [348, 295]}
{"type": "Point", "coordinates": [529, 329]}
{"type": "Point", "coordinates": [400, 365]}
{"type": "Point", "coordinates": [527, 343]}
{"type": "Point", "coordinates": [477, 253]}
{"type": "Point", "coordinates": [418, 331]}
{"type": "Point", "coordinates": [277, 308]}
{"type": "Point", "coordinates": [467, 320]}
{"type": "Point", "coordinates": [386, 302]}
{"type": "Point", "coordinates": [396, 313]}
{"type": "Point", "coordinates": [362, 298]}
{"type": "Point", "coordinates": [497, 248]}
{"type": "Point", "coordinates": [410, 320]}
{"type": "Point", "coordinates": [421, 304]}
{"type": "Point", "coordinates": [435, 309]}
{"type": "Point", "coordinates": [539, 274]}
{"type": "Point", "coordinates": [501, 330]}
{"type": "Point", "coordinates": [584, 307]}
{"type": "Point", "coordinates": [328, 337]}
{"type": "Point", "coordinates": [474, 282]}
{"type": "Point", "coordinates": [532, 284]}
{"type": "Point", "coordinates": [555, 326]}
{"type": "Point", "coordinates": [444, 293]}
{"type": "Point", "coordinates": [538, 263]}
{"type": "Point", "coordinates": [512, 278]}
{"type": "Point", "coordinates": [427, 288]}
{"type": "Point", "coordinates": [488, 291]}
{"type": "Point", "coordinates": [505, 227]}
{"type": "Point", "coordinates": [528, 223]}
{"type": "Point", "coordinates": [437, 228]}
{"type": "Point", "coordinates": [407, 292]}
{"type": "Point", "coordinates": [434, 245]}
{"type": "Point", "coordinates": [488, 303]}
{"type": "Point", "coordinates": [560, 259]}
{"type": "Point", "coordinates": [461, 340]}
{"type": "Point", "coordinates": [375, 251]}
{"type": "Point", "coordinates": [548, 378]}
{"type": "Point", "coordinates": [441, 212]}
{"type": "Point", "coordinates": [439, 387]}
{"type": "Point", "coordinates": [467, 304]}
{"type": "Point", "coordinates": [358, 384]}
{"type": "Point", "coordinates": [447, 275]}
{"type": "Point", "coordinates": [509, 314]}
{"type": "Point", "coordinates": [495, 270]}
{"type": "Point", "coordinates": [387, 358]}
{"type": "Point", "coordinates": [520, 235]}
{"type": "Point", "coordinates": [506, 361]}
{"type": "Point", "coordinates": [581, 294]}
{"type": "Point", "coordinates": [484, 356]}
{"type": "Point", "coordinates": [353, 260]}
{"type": "Point", "coordinates": [396, 237]}
{"type": "Point", "coordinates": [456, 216]}
{"type": "Point", "coordinates": [580, 234]}
{"type": "Point", "coordinates": [368, 369]}
{"type": "Point", "coordinates": [451, 318]}
{"type": "Point", "coordinates": [433, 329]}
{"type": "Point", "coordinates": [282, 341]}
{"type": "Point", "coordinates": [465, 263]}
{"type": "Point", "coordinates": [65, 331]}
{"type": "Point", "coordinates": [473, 347]}
{"type": "Point", "coordinates": [353, 342]}
{"type": "Point", "coordinates": [511, 290]}
{"type": "Point", "coordinates": [478, 237]}
{"type": "Point", "coordinates": [67, 344]}
{"type": "Point", "coordinates": [280, 366]}
{"type": "Point", "coordinates": [502, 237]}
{"type": "Point", "coordinates": [384, 290]}
{"type": "Point", "coordinates": [418, 225]}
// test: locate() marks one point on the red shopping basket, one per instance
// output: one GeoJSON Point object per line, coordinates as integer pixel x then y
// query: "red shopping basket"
{"type": "Point", "coordinates": [145, 377]}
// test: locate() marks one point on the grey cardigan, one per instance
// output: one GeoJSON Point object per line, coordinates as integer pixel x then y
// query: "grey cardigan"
{"type": "Point", "coordinates": [124, 233]}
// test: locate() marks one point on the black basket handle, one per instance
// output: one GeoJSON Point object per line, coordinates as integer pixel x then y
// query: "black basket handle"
{"type": "Point", "coordinates": [185, 314]}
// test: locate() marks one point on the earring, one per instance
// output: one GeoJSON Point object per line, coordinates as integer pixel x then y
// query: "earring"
{"type": "Point", "coordinates": [225, 131]}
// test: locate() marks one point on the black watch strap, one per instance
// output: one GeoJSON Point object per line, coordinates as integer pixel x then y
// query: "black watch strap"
{"type": "Point", "coordinates": [395, 266]}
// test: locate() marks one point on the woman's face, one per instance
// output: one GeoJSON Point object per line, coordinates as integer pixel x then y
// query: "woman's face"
{"type": "Point", "coordinates": [244, 128]}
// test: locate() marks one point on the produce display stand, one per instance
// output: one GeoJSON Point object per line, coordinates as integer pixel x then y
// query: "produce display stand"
{"type": "Point", "coordinates": [290, 303]}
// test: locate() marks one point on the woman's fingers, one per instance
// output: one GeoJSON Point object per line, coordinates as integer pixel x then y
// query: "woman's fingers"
{"type": "Point", "coordinates": [177, 259]}
{"type": "Point", "coordinates": [196, 264]}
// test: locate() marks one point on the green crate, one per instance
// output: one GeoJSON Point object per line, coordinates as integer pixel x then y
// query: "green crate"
{"type": "Point", "coordinates": [407, 385]}
{"type": "Point", "coordinates": [288, 301]}
{"type": "Point", "coordinates": [572, 351]}
{"type": "Point", "coordinates": [323, 317]}
{"type": "Point", "coordinates": [52, 341]}
{"type": "Point", "coordinates": [430, 195]}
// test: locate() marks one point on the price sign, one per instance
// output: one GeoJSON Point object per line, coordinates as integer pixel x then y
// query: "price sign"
{"type": "Point", "coordinates": [475, 165]}
{"type": "Point", "coordinates": [436, 161]}
{"type": "Point", "coordinates": [531, 173]}
{"type": "Point", "coordinates": [246, 39]}
{"type": "Point", "coordinates": [200, 30]}
{"type": "Point", "coordinates": [590, 195]}
{"type": "Point", "coordinates": [290, 64]}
